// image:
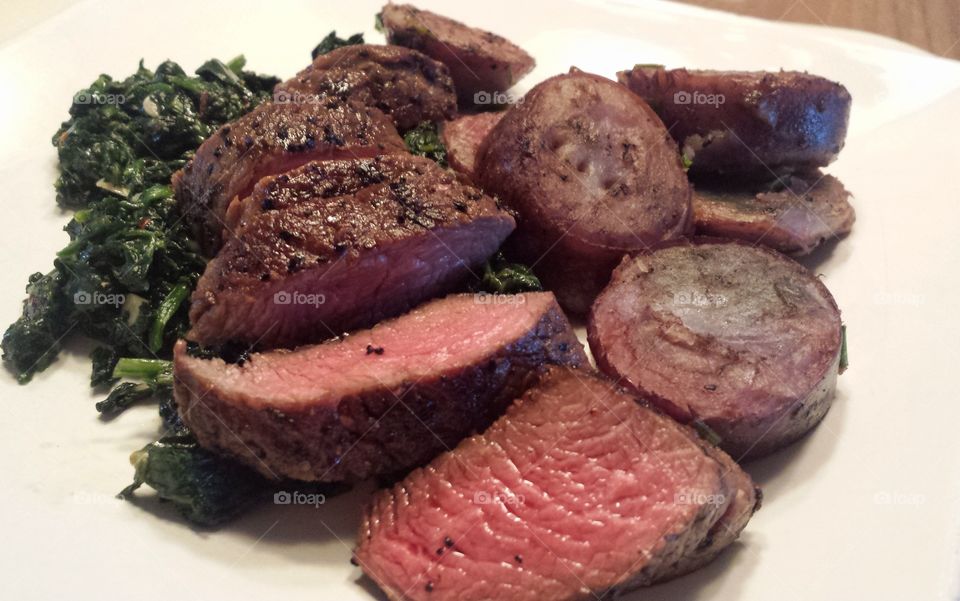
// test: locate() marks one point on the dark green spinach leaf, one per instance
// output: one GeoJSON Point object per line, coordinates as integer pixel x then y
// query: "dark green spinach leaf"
{"type": "Point", "coordinates": [503, 277]}
{"type": "Point", "coordinates": [206, 489]}
{"type": "Point", "coordinates": [130, 264]}
{"type": "Point", "coordinates": [424, 140]}
{"type": "Point", "coordinates": [332, 42]}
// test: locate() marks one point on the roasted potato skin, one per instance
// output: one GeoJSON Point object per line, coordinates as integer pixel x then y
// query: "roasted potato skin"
{"type": "Point", "coordinates": [638, 337]}
{"type": "Point", "coordinates": [747, 124]}
{"type": "Point", "coordinates": [592, 174]}
{"type": "Point", "coordinates": [794, 214]}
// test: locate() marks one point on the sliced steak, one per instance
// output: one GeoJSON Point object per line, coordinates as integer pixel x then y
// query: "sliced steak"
{"type": "Point", "coordinates": [408, 86]}
{"type": "Point", "coordinates": [271, 139]}
{"type": "Point", "coordinates": [592, 174]}
{"type": "Point", "coordinates": [743, 500]}
{"type": "Point", "coordinates": [794, 215]}
{"type": "Point", "coordinates": [750, 124]}
{"type": "Point", "coordinates": [577, 492]}
{"type": "Point", "coordinates": [737, 337]}
{"type": "Point", "coordinates": [463, 137]}
{"type": "Point", "coordinates": [482, 64]}
{"type": "Point", "coordinates": [379, 401]}
{"type": "Point", "coordinates": [337, 245]}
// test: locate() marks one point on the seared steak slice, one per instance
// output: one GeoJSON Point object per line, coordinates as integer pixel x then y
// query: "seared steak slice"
{"type": "Point", "coordinates": [743, 500]}
{"type": "Point", "coordinates": [270, 139]}
{"type": "Point", "coordinates": [338, 245]}
{"type": "Point", "coordinates": [737, 337]}
{"type": "Point", "coordinates": [793, 215]}
{"type": "Point", "coordinates": [463, 137]}
{"type": "Point", "coordinates": [403, 83]}
{"type": "Point", "coordinates": [592, 174]}
{"type": "Point", "coordinates": [750, 124]}
{"type": "Point", "coordinates": [577, 492]}
{"type": "Point", "coordinates": [481, 63]}
{"type": "Point", "coordinates": [379, 401]}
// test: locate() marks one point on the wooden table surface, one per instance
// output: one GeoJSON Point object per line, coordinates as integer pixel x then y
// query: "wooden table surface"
{"type": "Point", "coordinates": [933, 25]}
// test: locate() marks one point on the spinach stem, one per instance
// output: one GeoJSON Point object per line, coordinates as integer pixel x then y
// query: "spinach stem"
{"type": "Point", "coordinates": [165, 311]}
{"type": "Point", "coordinates": [148, 370]}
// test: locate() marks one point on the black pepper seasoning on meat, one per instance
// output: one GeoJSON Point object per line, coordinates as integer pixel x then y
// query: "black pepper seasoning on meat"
{"type": "Point", "coordinates": [295, 264]}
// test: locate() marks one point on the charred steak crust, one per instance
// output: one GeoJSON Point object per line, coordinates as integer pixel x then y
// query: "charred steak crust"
{"type": "Point", "coordinates": [747, 123]}
{"type": "Point", "coordinates": [385, 422]}
{"type": "Point", "coordinates": [405, 84]}
{"type": "Point", "coordinates": [577, 492]}
{"type": "Point", "coordinates": [738, 337]}
{"type": "Point", "coordinates": [742, 501]}
{"type": "Point", "coordinates": [479, 61]}
{"type": "Point", "coordinates": [463, 138]}
{"type": "Point", "coordinates": [338, 245]}
{"type": "Point", "coordinates": [592, 174]}
{"type": "Point", "coordinates": [795, 215]}
{"type": "Point", "coordinates": [270, 139]}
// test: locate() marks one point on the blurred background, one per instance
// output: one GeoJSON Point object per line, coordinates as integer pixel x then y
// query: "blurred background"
{"type": "Point", "coordinates": [933, 25]}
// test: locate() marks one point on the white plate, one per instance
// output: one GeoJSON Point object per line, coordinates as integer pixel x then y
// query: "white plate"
{"type": "Point", "coordinates": [865, 508]}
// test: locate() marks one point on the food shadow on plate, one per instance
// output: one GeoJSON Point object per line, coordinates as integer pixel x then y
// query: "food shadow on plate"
{"type": "Point", "coordinates": [370, 587]}
{"type": "Point", "coordinates": [735, 563]}
{"type": "Point", "coordinates": [336, 519]}
{"type": "Point", "coordinates": [825, 252]}
{"type": "Point", "coordinates": [803, 458]}
{"type": "Point", "coordinates": [304, 533]}
{"type": "Point", "coordinates": [723, 574]}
